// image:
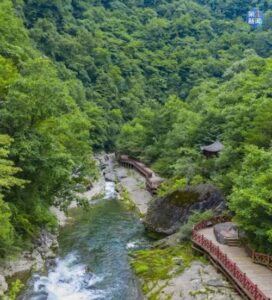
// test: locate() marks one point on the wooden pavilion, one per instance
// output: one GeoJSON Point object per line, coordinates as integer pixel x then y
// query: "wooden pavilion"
{"type": "Point", "coordinates": [212, 149]}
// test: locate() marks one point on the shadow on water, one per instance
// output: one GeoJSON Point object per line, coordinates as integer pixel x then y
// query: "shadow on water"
{"type": "Point", "coordinates": [93, 261]}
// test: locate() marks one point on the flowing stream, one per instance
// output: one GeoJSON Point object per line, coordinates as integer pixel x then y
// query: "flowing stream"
{"type": "Point", "coordinates": [93, 261]}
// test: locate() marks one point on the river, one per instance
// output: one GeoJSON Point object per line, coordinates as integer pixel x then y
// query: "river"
{"type": "Point", "coordinates": [93, 261]}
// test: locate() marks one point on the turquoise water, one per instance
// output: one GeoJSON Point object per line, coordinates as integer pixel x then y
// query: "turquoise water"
{"type": "Point", "coordinates": [93, 261]}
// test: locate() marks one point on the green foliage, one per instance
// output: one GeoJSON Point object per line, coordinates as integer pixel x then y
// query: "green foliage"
{"type": "Point", "coordinates": [125, 198]}
{"type": "Point", "coordinates": [7, 168]}
{"type": "Point", "coordinates": [14, 290]}
{"type": "Point", "coordinates": [81, 75]}
{"type": "Point", "coordinates": [42, 114]}
{"type": "Point", "coordinates": [7, 181]}
{"type": "Point", "coordinates": [251, 197]}
{"type": "Point", "coordinates": [171, 185]}
{"type": "Point", "coordinates": [237, 110]}
{"type": "Point", "coordinates": [185, 231]}
{"type": "Point", "coordinates": [6, 228]}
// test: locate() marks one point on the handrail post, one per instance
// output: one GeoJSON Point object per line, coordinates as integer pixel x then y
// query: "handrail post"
{"type": "Point", "coordinates": [244, 279]}
{"type": "Point", "coordinates": [225, 259]}
{"type": "Point", "coordinates": [218, 251]}
{"type": "Point", "coordinates": [234, 269]}
{"type": "Point", "coordinates": [256, 290]}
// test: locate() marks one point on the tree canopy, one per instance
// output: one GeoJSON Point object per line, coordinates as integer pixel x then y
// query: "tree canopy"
{"type": "Point", "coordinates": [155, 79]}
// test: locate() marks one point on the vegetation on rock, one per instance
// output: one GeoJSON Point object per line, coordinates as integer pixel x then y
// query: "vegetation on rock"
{"type": "Point", "coordinates": [153, 266]}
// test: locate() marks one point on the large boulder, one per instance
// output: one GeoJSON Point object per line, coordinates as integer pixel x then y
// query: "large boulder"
{"type": "Point", "coordinates": [224, 231]}
{"type": "Point", "coordinates": [3, 286]}
{"type": "Point", "coordinates": [166, 215]}
{"type": "Point", "coordinates": [109, 175]}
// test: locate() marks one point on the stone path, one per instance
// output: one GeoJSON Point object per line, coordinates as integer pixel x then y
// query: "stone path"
{"type": "Point", "coordinates": [135, 185]}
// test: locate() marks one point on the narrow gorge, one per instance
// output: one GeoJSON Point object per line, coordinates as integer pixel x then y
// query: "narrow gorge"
{"type": "Point", "coordinates": [103, 248]}
{"type": "Point", "coordinates": [93, 90]}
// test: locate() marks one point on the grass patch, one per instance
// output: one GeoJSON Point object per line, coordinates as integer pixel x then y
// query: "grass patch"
{"type": "Point", "coordinates": [154, 265]}
{"type": "Point", "coordinates": [125, 199]}
{"type": "Point", "coordinates": [14, 290]}
{"type": "Point", "coordinates": [98, 196]}
{"type": "Point", "coordinates": [141, 185]}
{"type": "Point", "coordinates": [206, 291]}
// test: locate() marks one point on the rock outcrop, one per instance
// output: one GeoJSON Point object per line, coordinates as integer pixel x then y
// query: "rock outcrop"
{"type": "Point", "coordinates": [198, 282]}
{"type": "Point", "coordinates": [166, 215]}
{"type": "Point", "coordinates": [44, 249]}
{"type": "Point", "coordinates": [3, 286]}
{"type": "Point", "coordinates": [224, 231]}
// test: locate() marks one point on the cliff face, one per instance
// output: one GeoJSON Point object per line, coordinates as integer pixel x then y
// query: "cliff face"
{"type": "Point", "coordinates": [166, 215]}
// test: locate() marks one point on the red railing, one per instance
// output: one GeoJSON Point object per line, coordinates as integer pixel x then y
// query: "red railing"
{"type": "Point", "coordinates": [259, 258]}
{"type": "Point", "coordinates": [226, 263]}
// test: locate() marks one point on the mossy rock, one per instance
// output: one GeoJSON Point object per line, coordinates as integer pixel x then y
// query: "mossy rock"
{"type": "Point", "coordinates": [165, 215]}
{"type": "Point", "coordinates": [183, 198]}
{"type": "Point", "coordinates": [156, 266]}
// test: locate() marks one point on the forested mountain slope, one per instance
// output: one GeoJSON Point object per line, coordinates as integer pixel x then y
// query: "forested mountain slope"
{"type": "Point", "coordinates": [171, 75]}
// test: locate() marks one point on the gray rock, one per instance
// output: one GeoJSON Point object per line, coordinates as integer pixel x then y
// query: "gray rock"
{"type": "Point", "coordinates": [3, 285]}
{"type": "Point", "coordinates": [216, 282]}
{"type": "Point", "coordinates": [50, 254]}
{"type": "Point", "coordinates": [178, 260]}
{"type": "Point", "coordinates": [23, 264]}
{"type": "Point", "coordinates": [167, 214]}
{"type": "Point", "coordinates": [109, 176]}
{"type": "Point", "coordinates": [44, 248]}
{"type": "Point", "coordinates": [121, 173]}
{"type": "Point", "coordinates": [38, 259]}
{"type": "Point", "coordinates": [226, 230]}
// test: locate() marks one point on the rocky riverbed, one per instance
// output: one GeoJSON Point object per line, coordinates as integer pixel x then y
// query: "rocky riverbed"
{"type": "Point", "coordinates": [44, 250]}
{"type": "Point", "coordinates": [132, 181]}
{"type": "Point", "coordinates": [198, 280]}
{"type": "Point", "coordinates": [46, 245]}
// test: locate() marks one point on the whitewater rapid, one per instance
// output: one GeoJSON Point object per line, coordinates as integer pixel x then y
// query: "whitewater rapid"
{"type": "Point", "coordinates": [93, 263]}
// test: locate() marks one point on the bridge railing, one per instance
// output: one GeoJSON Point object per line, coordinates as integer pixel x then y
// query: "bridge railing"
{"type": "Point", "coordinates": [141, 168]}
{"type": "Point", "coordinates": [137, 165]}
{"type": "Point", "coordinates": [244, 282]}
{"type": "Point", "coordinates": [259, 258]}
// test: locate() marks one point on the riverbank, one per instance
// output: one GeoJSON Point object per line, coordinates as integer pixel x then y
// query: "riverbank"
{"type": "Point", "coordinates": [176, 273]}
{"type": "Point", "coordinates": [130, 180]}
{"type": "Point", "coordinates": [46, 245]}
{"type": "Point", "coordinates": [92, 261]}
{"type": "Point", "coordinates": [172, 272]}
{"type": "Point", "coordinates": [44, 250]}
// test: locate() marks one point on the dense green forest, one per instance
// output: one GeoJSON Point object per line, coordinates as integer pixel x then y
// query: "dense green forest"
{"type": "Point", "coordinates": [155, 79]}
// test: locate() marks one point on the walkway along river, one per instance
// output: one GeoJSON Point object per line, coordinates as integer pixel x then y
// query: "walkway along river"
{"type": "Point", "coordinates": [93, 261]}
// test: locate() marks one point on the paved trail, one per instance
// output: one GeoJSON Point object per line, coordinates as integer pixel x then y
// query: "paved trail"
{"type": "Point", "coordinates": [258, 274]}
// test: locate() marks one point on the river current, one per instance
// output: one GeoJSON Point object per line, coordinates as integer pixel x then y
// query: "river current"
{"type": "Point", "coordinates": [93, 261]}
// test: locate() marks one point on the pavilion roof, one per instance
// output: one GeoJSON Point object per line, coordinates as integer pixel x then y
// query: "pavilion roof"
{"type": "Point", "coordinates": [214, 147]}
